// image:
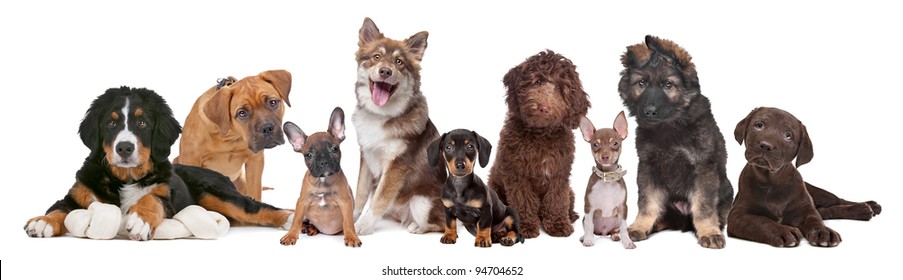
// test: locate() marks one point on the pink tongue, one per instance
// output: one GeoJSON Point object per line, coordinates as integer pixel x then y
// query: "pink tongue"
{"type": "Point", "coordinates": [380, 93]}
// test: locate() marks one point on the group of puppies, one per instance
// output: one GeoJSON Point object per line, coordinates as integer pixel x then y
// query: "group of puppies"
{"type": "Point", "coordinates": [411, 174]}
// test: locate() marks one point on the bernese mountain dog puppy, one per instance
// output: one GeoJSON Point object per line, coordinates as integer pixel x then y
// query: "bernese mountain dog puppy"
{"type": "Point", "coordinates": [129, 132]}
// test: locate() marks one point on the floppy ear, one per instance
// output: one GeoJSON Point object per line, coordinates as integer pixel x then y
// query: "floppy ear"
{"type": "Point", "coordinates": [368, 32]}
{"type": "Point", "coordinates": [89, 129]}
{"type": "Point", "coordinates": [337, 124]}
{"type": "Point", "coordinates": [484, 148]}
{"type": "Point", "coordinates": [659, 53]}
{"type": "Point", "coordinates": [281, 80]}
{"type": "Point", "coordinates": [621, 125]}
{"type": "Point", "coordinates": [166, 131]}
{"type": "Point", "coordinates": [295, 135]}
{"type": "Point", "coordinates": [510, 80]}
{"type": "Point", "coordinates": [417, 44]}
{"type": "Point", "coordinates": [743, 125]}
{"type": "Point", "coordinates": [804, 152]}
{"type": "Point", "coordinates": [218, 109]}
{"type": "Point", "coordinates": [587, 129]}
{"type": "Point", "coordinates": [432, 151]}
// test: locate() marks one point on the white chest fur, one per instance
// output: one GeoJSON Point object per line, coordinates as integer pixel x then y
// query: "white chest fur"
{"type": "Point", "coordinates": [606, 196]}
{"type": "Point", "coordinates": [130, 194]}
{"type": "Point", "coordinates": [378, 147]}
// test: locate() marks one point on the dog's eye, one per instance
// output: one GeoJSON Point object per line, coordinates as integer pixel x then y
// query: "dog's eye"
{"type": "Point", "coordinates": [376, 57]}
{"type": "Point", "coordinates": [788, 136]}
{"type": "Point", "coordinates": [242, 113]}
{"type": "Point", "coordinates": [759, 125]}
{"type": "Point", "coordinates": [470, 147]}
{"type": "Point", "coordinates": [398, 61]}
{"type": "Point", "coordinates": [614, 144]}
{"type": "Point", "coordinates": [309, 155]}
{"type": "Point", "coordinates": [274, 103]}
{"type": "Point", "coordinates": [641, 83]}
{"type": "Point", "coordinates": [448, 148]}
{"type": "Point", "coordinates": [668, 85]}
{"type": "Point", "coordinates": [595, 146]}
{"type": "Point", "coordinates": [141, 124]}
{"type": "Point", "coordinates": [111, 124]}
{"type": "Point", "coordinates": [334, 150]}
{"type": "Point", "coordinates": [538, 81]}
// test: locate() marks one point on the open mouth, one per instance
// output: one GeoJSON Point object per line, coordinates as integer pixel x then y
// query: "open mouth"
{"type": "Point", "coordinates": [380, 92]}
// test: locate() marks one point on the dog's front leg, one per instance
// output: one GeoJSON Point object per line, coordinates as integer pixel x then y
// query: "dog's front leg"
{"type": "Point", "coordinates": [814, 229]}
{"type": "Point", "coordinates": [703, 200]}
{"type": "Point", "coordinates": [253, 186]}
{"type": "Point", "coordinates": [524, 201]}
{"type": "Point", "coordinates": [555, 210]}
{"type": "Point", "coordinates": [383, 199]}
{"type": "Point", "coordinates": [364, 188]}
{"type": "Point", "coordinates": [761, 229]}
{"type": "Point", "coordinates": [651, 205]}
{"type": "Point", "coordinates": [301, 206]}
{"type": "Point", "coordinates": [146, 215]}
{"type": "Point", "coordinates": [346, 205]}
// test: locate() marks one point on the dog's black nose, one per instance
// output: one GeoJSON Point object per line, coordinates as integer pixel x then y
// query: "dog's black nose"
{"type": "Point", "coordinates": [765, 146]}
{"type": "Point", "coordinates": [460, 165]}
{"type": "Point", "coordinates": [650, 111]}
{"type": "Point", "coordinates": [125, 149]}
{"type": "Point", "coordinates": [267, 128]}
{"type": "Point", "coordinates": [385, 72]}
{"type": "Point", "coordinates": [322, 163]}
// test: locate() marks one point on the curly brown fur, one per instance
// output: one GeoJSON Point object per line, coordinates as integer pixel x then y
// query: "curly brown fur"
{"type": "Point", "coordinates": [536, 146]}
{"type": "Point", "coordinates": [681, 176]}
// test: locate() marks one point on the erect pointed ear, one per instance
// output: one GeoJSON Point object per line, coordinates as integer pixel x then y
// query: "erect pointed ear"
{"type": "Point", "coordinates": [804, 152]}
{"type": "Point", "coordinates": [295, 135]}
{"type": "Point", "coordinates": [218, 109]}
{"type": "Point", "coordinates": [417, 44]}
{"type": "Point", "coordinates": [587, 129]}
{"type": "Point", "coordinates": [621, 125]}
{"type": "Point", "coordinates": [337, 124]}
{"type": "Point", "coordinates": [368, 32]}
{"type": "Point", "coordinates": [484, 148]}
{"type": "Point", "coordinates": [743, 125]}
{"type": "Point", "coordinates": [433, 150]}
{"type": "Point", "coordinates": [281, 80]}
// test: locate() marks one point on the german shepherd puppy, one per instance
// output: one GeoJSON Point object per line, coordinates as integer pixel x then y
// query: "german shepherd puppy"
{"type": "Point", "coordinates": [681, 177]}
{"type": "Point", "coordinates": [393, 129]}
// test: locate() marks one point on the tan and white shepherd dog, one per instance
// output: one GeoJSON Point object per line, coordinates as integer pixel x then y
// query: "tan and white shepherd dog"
{"type": "Point", "coordinates": [393, 128]}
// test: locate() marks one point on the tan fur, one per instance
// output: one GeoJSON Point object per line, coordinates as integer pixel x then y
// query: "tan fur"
{"type": "Point", "coordinates": [131, 173]}
{"type": "Point", "coordinates": [264, 217]}
{"type": "Point", "coordinates": [214, 138]}
{"type": "Point", "coordinates": [150, 209]}
{"type": "Point", "coordinates": [82, 194]}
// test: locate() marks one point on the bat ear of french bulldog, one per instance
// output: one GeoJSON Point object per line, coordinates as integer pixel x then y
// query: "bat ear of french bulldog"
{"type": "Point", "coordinates": [281, 80]}
{"type": "Point", "coordinates": [337, 124]}
{"type": "Point", "coordinates": [620, 125]}
{"type": "Point", "coordinates": [368, 33]}
{"type": "Point", "coordinates": [804, 152]}
{"type": "Point", "coordinates": [432, 151]}
{"type": "Point", "coordinates": [484, 148]}
{"type": "Point", "coordinates": [587, 129]}
{"type": "Point", "coordinates": [218, 109]}
{"type": "Point", "coordinates": [295, 135]}
{"type": "Point", "coordinates": [743, 126]}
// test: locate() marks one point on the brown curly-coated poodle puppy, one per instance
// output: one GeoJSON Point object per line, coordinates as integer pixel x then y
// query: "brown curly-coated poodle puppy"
{"type": "Point", "coordinates": [536, 146]}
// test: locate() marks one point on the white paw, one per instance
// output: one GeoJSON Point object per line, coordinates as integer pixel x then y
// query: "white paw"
{"type": "Point", "coordinates": [137, 228]}
{"type": "Point", "coordinates": [629, 245]}
{"type": "Point", "coordinates": [288, 223]}
{"type": "Point", "coordinates": [365, 225]}
{"type": "Point", "coordinates": [590, 241]}
{"type": "Point", "coordinates": [39, 228]}
{"type": "Point", "coordinates": [414, 228]}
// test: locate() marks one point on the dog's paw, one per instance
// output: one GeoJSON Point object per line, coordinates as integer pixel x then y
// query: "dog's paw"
{"type": "Point", "coordinates": [823, 237]}
{"type": "Point", "coordinates": [138, 228]}
{"type": "Point", "coordinates": [365, 225]}
{"type": "Point", "coordinates": [559, 229]}
{"type": "Point", "coordinates": [876, 208]}
{"type": "Point", "coordinates": [713, 241]}
{"type": "Point", "coordinates": [352, 241]}
{"type": "Point", "coordinates": [637, 235]}
{"type": "Point", "coordinates": [588, 241]}
{"type": "Point", "coordinates": [628, 244]}
{"type": "Point", "coordinates": [309, 229]}
{"type": "Point", "coordinates": [288, 239]}
{"type": "Point", "coordinates": [508, 241]}
{"type": "Point", "coordinates": [529, 230]}
{"type": "Point", "coordinates": [41, 226]}
{"type": "Point", "coordinates": [786, 236]}
{"type": "Point", "coordinates": [449, 238]}
{"type": "Point", "coordinates": [615, 236]}
{"type": "Point", "coordinates": [482, 242]}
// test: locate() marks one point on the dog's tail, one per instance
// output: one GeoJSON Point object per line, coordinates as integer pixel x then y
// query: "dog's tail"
{"type": "Point", "coordinates": [515, 224]}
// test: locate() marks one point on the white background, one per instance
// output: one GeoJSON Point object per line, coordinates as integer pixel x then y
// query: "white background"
{"type": "Point", "coordinates": [836, 66]}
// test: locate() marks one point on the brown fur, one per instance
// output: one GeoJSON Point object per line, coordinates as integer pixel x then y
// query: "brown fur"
{"type": "Point", "coordinates": [773, 203]}
{"type": "Point", "coordinates": [215, 137]}
{"type": "Point", "coordinates": [264, 217]}
{"type": "Point", "coordinates": [536, 145]}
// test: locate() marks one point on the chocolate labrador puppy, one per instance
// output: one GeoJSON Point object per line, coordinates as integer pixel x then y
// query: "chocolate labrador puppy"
{"type": "Point", "coordinates": [774, 205]}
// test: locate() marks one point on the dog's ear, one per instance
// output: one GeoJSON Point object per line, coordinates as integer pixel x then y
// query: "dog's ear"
{"type": "Point", "coordinates": [89, 129]}
{"type": "Point", "coordinates": [281, 80]}
{"type": "Point", "coordinates": [433, 150]}
{"type": "Point", "coordinates": [417, 44]}
{"type": "Point", "coordinates": [511, 79]}
{"type": "Point", "coordinates": [337, 124]}
{"type": "Point", "coordinates": [743, 125]}
{"type": "Point", "coordinates": [295, 135]}
{"type": "Point", "coordinates": [621, 125]}
{"type": "Point", "coordinates": [218, 109]}
{"type": "Point", "coordinates": [484, 148]}
{"type": "Point", "coordinates": [368, 33]}
{"type": "Point", "coordinates": [166, 128]}
{"type": "Point", "coordinates": [659, 54]}
{"type": "Point", "coordinates": [804, 152]}
{"type": "Point", "coordinates": [587, 129]}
